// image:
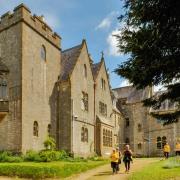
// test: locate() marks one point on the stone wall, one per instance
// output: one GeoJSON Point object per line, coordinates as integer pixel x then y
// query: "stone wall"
{"type": "Point", "coordinates": [38, 87]}
{"type": "Point", "coordinates": [64, 122]}
{"type": "Point", "coordinates": [11, 55]}
{"type": "Point", "coordinates": [79, 84]}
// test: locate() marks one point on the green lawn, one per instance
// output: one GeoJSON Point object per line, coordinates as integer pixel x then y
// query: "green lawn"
{"type": "Point", "coordinates": [162, 170]}
{"type": "Point", "coordinates": [47, 170]}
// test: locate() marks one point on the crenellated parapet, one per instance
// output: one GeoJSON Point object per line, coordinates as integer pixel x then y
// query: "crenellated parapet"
{"type": "Point", "coordinates": [22, 13]}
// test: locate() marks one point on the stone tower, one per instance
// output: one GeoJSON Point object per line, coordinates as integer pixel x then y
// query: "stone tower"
{"type": "Point", "coordinates": [31, 52]}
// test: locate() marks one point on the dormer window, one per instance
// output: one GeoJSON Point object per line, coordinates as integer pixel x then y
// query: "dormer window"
{"type": "Point", "coordinates": [43, 53]}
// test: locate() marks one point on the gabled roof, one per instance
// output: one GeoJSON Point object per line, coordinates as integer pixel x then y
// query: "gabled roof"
{"type": "Point", "coordinates": [68, 61]}
{"type": "Point", "coordinates": [95, 69]}
{"type": "Point", "coordinates": [131, 94]}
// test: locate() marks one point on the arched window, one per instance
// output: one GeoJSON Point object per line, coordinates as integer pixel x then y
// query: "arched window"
{"type": "Point", "coordinates": [139, 127]}
{"type": "Point", "coordinates": [49, 129]}
{"type": "Point", "coordinates": [85, 71]}
{"type": "Point", "coordinates": [139, 146]}
{"type": "Point", "coordinates": [35, 128]}
{"type": "Point", "coordinates": [127, 122]}
{"type": "Point", "coordinates": [82, 134]}
{"type": "Point", "coordinates": [86, 135]}
{"type": "Point", "coordinates": [164, 140]}
{"type": "Point", "coordinates": [43, 53]}
{"type": "Point", "coordinates": [159, 143]}
{"type": "Point", "coordinates": [127, 141]}
{"type": "Point", "coordinates": [3, 88]}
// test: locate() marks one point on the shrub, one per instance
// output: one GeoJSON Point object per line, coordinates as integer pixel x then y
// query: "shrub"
{"type": "Point", "coordinates": [6, 156]}
{"type": "Point", "coordinates": [50, 155]}
{"type": "Point", "coordinates": [50, 143]}
{"type": "Point", "coordinates": [32, 156]}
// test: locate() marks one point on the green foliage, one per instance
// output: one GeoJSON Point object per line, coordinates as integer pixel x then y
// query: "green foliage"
{"type": "Point", "coordinates": [48, 156]}
{"type": "Point", "coordinates": [32, 156]}
{"type": "Point", "coordinates": [50, 143]}
{"type": "Point", "coordinates": [6, 156]}
{"type": "Point", "coordinates": [150, 36]}
{"type": "Point", "coordinates": [46, 170]}
{"type": "Point", "coordinates": [45, 156]}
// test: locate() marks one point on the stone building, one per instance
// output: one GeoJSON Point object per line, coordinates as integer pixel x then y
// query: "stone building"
{"type": "Point", "coordinates": [31, 52]}
{"type": "Point", "coordinates": [76, 102]}
{"type": "Point", "coordinates": [145, 134]}
{"type": "Point", "coordinates": [46, 91]}
{"type": "Point", "coordinates": [104, 125]}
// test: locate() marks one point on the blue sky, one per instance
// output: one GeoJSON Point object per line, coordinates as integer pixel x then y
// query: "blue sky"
{"type": "Point", "coordinates": [73, 20]}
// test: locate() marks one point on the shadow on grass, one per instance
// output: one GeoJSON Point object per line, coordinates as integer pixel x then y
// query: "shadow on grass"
{"type": "Point", "coordinates": [107, 173]}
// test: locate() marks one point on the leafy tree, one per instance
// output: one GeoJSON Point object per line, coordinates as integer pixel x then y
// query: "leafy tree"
{"type": "Point", "coordinates": [151, 38]}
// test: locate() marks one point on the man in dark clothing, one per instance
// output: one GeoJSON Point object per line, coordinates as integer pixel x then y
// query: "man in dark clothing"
{"type": "Point", "coordinates": [127, 158]}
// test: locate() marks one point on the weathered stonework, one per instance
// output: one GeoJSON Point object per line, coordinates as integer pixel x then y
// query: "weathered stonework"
{"type": "Point", "coordinates": [143, 139]}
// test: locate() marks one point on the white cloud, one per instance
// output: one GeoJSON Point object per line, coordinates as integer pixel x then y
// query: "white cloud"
{"type": "Point", "coordinates": [124, 83]}
{"type": "Point", "coordinates": [107, 21]}
{"type": "Point", "coordinates": [52, 20]}
{"type": "Point", "coordinates": [113, 43]}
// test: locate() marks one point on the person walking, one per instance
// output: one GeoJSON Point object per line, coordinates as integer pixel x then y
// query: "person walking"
{"type": "Point", "coordinates": [127, 159]}
{"type": "Point", "coordinates": [114, 161]}
{"type": "Point", "coordinates": [119, 160]}
{"type": "Point", "coordinates": [177, 149]}
{"type": "Point", "coordinates": [166, 150]}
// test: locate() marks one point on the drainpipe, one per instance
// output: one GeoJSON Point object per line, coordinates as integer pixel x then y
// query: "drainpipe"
{"type": "Point", "coordinates": [72, 124]}
{"type": "Point", "coordinates": [95, 118]}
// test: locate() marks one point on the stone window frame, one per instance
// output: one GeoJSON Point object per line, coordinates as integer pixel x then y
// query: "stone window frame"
{"type": "Point", "coordinates": [43, 53]}
{"type": "Point", "coordinates": [127, 122]}
{"type": "Point", "coordinates": [84, 134]}
{"type": "Point", "coordinates": [102, 108]}
{"type": "Point", "coordinates": [127, 140]}
{"type": "Point", "coordinates": [84, 101]}
{"type": "Point", "coordinates": [139, 145]}
{"type": "Point", "coordinates": [35, 129]}
{"type": "Point", "coordinates": [49, 128]}
{"type": "Point", "coordinates": [3, 88]}
{"type": "Point", "coordinates": [107, 137]}
{"type": "Point", "coordinates": [103, 84]}
{"type": "Point", "coordinates": [139, 127]}
{"type": "Point", "coordinates": [159, 143]}
{"type": "Point", "coordinates": [85, 71]}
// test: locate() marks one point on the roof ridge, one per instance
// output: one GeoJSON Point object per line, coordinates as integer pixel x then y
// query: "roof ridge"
{"type": "Point", "coordinates": [72, 48]}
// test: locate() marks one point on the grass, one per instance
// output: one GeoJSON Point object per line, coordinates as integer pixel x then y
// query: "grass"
{"type": "Point", "coordinates": [43, 170]}
{"type": "Point", "coordinates": [162, 170]}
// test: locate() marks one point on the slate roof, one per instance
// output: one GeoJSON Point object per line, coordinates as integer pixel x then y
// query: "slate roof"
{"type": "Point", "coordinates": [95, 69]}
{"type": "Point", "coordinates": [68, 61]}
{"type": "Point", "coordinates": [131, 94]}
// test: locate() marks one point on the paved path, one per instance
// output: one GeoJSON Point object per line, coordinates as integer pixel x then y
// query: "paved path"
{"type": "Point", "coordinates": [105, 172]}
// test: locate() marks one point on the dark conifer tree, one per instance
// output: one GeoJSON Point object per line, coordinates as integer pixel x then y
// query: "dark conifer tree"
{"type": "Point", "coordinates": [151, 38]}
